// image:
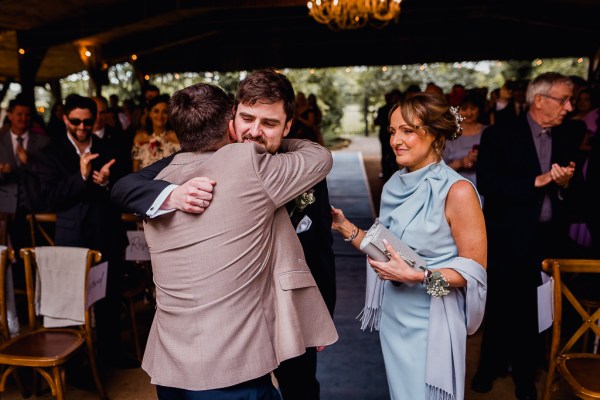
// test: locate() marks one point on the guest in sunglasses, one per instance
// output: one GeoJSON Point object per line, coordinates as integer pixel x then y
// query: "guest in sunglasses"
{"type": "Point", "coordinates": [76, 182]}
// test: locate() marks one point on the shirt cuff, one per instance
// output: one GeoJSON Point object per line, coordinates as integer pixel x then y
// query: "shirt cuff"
{"type": "Point", "coordinates": [154, 210]}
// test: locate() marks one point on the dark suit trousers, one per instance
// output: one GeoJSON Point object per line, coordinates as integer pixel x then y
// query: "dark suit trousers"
{"type": "Point", "coordinates": [297, 377]}
{"type": "Point", "coordinates": [510, 335]}
{"type": "Point", "coordinates": [257, 389]}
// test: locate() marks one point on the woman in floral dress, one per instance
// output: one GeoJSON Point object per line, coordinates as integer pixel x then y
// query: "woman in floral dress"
{"type": "Point", "coordinates": [157, 140]}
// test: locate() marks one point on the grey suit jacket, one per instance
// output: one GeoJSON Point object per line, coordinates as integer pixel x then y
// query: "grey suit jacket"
{"type": "Point", "coordinates": [235, 296]}
{"type": "Point", "coordinates": [25, 176]}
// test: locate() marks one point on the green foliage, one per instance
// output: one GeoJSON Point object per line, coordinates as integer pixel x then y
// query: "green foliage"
{"type": "Point", "coordinates": [323, 83]}
{"type": "Point", "coordinates": [344, 94]}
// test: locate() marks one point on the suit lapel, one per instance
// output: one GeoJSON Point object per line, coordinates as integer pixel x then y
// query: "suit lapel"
{"type": "Point", "coordinates": [6, 149]}
{"type": "Point", "coordinates": [529, 151]}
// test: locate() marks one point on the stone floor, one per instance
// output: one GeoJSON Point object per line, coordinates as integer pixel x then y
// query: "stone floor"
{"type": "Point", "coordinates": [350, 369]}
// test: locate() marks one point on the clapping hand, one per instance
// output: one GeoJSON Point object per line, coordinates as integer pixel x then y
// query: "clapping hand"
{"type": "Point", "coordinates": [5, 168]}
{"type": "Point", "coordinates": [101, 177]}
{"type": "Point", "coordinates": [562, 175]}
{"type": "Point", "coordinates": [85, 164]}
{"type": "Point", "coordinates": [557, 174]}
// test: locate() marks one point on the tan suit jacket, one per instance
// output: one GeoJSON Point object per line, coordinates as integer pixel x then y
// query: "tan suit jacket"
{"type": "Point", "coordinates": [235, 296]}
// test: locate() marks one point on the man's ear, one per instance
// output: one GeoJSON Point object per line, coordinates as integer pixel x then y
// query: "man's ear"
{"type": "Point", "coordinates": [288, 126]}
{"type": "Point", "coordinates": [232, 135]}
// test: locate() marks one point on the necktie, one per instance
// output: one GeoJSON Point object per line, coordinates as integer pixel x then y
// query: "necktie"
{"type": "Point", "coordinates": [545, 149]}
{"type": "Point", "coordinates": [19, 143]}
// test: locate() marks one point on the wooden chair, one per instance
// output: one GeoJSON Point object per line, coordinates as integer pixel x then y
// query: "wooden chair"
{"type": "Point", "coordinates": [579, 368]}
{"type": "Point", "coordinates": [47, 350]}
{"type": "Point", "coordinates": [42, 223]}
{"type": "Point", "coordinates": [139, 285]}
{"type": "Point", "coordinates": [6, 256]}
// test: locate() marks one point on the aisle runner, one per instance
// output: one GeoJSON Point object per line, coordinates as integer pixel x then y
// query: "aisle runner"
{"type": "Point", "coordinates": [349, 190]}
{"type": "Point", "coordinates": [352, 368]}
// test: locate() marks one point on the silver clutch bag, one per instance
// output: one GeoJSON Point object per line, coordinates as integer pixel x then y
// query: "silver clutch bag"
{"type": "Point", "coordinates": [372, 245]}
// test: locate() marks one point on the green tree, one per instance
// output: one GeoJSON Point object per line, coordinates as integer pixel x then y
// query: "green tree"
{"type": "Point", "coordinates": [340, 90]}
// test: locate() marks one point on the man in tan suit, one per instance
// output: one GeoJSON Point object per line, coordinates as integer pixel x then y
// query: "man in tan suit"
{"type": "Point", "coordinates": [234, 294]}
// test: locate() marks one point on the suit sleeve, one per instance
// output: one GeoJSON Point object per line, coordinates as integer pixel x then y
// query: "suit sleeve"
{"type": "Point", "coordinates": [137, 191]}
{"type": "Point", "coordinates": [507, 164]}
{"type": "Point", "coordinates": [286, 175]}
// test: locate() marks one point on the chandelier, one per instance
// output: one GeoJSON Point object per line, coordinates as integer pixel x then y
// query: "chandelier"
{"type": "Point", "coordinates": [353, 14]}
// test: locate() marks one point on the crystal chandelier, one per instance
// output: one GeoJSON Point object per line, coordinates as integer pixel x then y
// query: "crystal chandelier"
{"type": "Point", "coordinates": [353, 14]}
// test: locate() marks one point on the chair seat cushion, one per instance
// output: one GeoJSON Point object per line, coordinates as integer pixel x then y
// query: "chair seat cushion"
{"type": "Point", "coordinates": [41, 348]}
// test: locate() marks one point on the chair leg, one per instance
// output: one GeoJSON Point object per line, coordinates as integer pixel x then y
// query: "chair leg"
{"type": "Point", "coordinates": [59, 382]}
{"type": "Point", "coordinates": [94, 367]}
{"type": "Point", "coordinates": [549, 380]}
{"type": "Point", "coordinates": [15, 373]}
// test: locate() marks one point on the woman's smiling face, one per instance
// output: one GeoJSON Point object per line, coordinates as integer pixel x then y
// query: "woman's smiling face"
{"type": "Point", "coordinates": [412, 146]}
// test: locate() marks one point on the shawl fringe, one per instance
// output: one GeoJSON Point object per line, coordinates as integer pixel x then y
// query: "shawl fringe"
{"type": "Point", "coordinates": [435, 393]}
{"type": "Point", "coordinates": [369, 318]}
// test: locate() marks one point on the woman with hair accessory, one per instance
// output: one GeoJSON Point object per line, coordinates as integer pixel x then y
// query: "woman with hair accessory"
{"type": "Point", "coordinates": [461, 154]}
{"type": "Point", "coordinates": [435, 211]}
{"type": "Point", "coordinates": [157, 140]}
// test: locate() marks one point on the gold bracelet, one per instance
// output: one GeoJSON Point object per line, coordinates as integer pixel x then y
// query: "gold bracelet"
{"type": "Point", "coordinates": [353, 235]}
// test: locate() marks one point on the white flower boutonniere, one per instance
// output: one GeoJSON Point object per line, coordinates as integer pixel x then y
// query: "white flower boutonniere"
{"type": "Point", "coordinates": [303, 201]}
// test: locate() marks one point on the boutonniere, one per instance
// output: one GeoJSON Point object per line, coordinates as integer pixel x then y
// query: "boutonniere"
{"type": "Point", "coordinates": [303, 201]}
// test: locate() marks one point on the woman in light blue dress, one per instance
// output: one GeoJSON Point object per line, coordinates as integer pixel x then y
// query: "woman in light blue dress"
{"type": "Point", "coordinates": [437, 212]}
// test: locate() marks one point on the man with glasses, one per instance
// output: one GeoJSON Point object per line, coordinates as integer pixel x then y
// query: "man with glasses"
{"type": "Point", "coordinates": [524, 172]}
{"type": "Point", "coordinates": [76, 182]}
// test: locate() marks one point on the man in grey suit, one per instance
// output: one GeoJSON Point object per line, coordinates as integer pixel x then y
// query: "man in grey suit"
{"type": "Point", "coordinates": [234, 295]}
{"type": "Point", "coordinates": [19, 175]}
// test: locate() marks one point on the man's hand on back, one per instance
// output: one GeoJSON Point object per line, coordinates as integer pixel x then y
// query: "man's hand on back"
{"type": "Point", "coordinates": [194, 196]}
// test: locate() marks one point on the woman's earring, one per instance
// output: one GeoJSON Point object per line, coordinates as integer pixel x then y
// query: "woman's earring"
{"type": "Point", "coordinates": [436, 148]}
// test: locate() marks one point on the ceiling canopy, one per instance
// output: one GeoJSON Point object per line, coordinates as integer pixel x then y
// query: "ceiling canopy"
{"type": "Point", "coordinates": [230, 35]}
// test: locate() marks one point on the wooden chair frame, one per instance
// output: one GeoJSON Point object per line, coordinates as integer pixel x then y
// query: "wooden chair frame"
{"type": "Point", "coordinates": [6, 257]}
{"type": "Point", "coordinates": [581, 370]}
{"type": "Point", "coordinates": [35, 221]}
{"type": "Point", "coordinates": [142, 287]}
{"type": "Point", "coordinates": [36, 347]}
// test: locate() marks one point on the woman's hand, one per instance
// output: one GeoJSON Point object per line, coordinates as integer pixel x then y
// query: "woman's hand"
{"type": "Point", "coordinates": [338, 218]}
{"type": "Point", "coordinates": [396, 269]}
